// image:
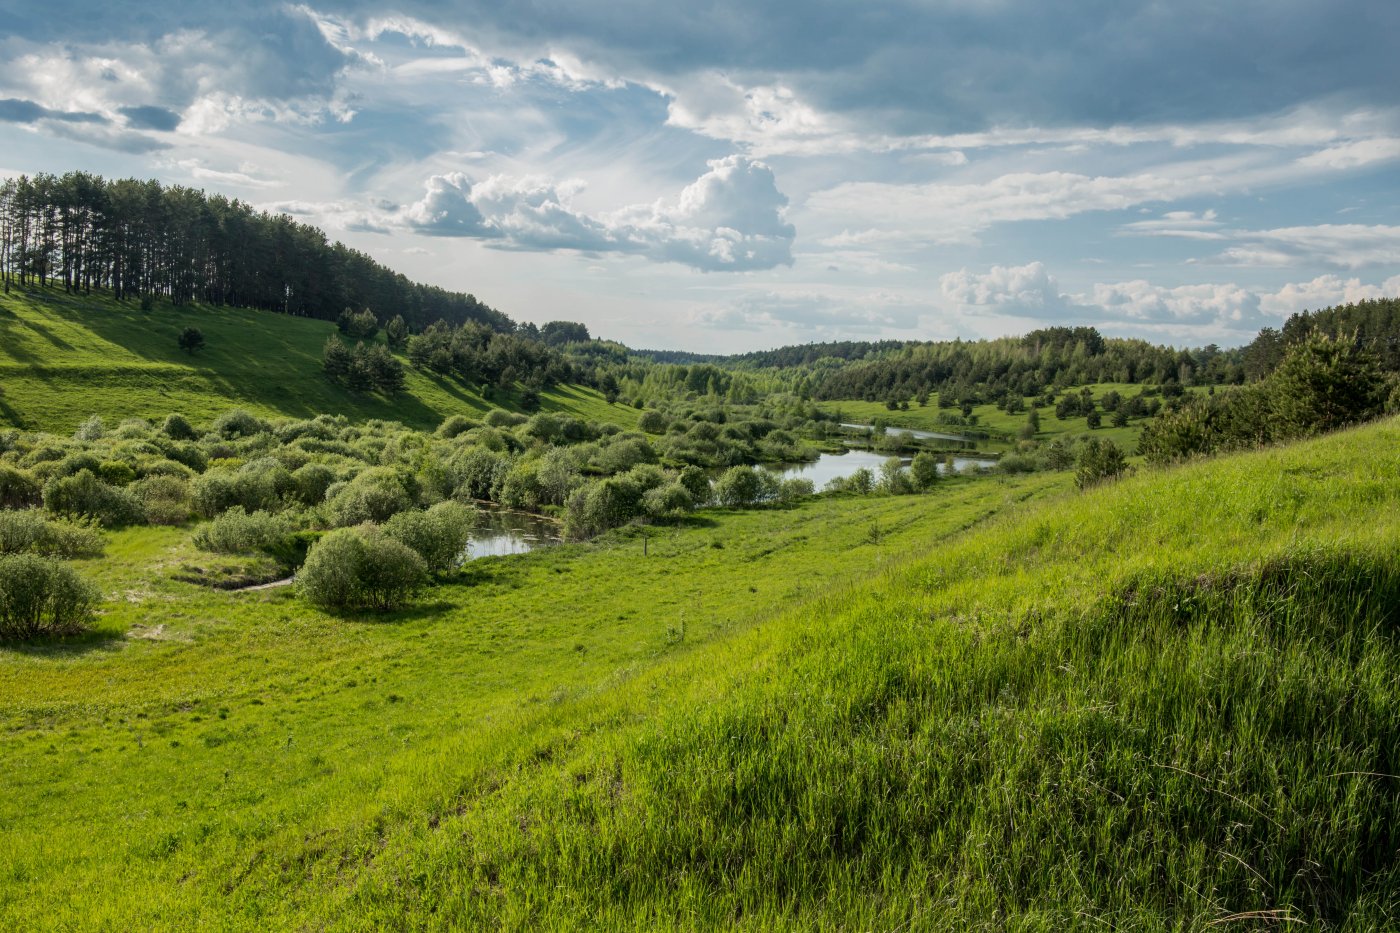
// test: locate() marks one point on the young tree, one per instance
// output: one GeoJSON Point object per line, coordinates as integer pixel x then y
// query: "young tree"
{"type": "Point", "coordinates": [924, 471]}
{"type": "Point", "coordinates": [1099, 461]}
{"type": "Point", "coordinates": [190, 340]}
{"type": "Point", "coordinates": [396, 331]}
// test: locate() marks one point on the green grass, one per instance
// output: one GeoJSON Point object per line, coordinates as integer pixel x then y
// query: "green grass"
{"type": "Point", "coordinates": [65, 357]}
{"type": "Point", "coordinates": [993, 419]}
{"type": "Point", "coordinates": [1161, 704]}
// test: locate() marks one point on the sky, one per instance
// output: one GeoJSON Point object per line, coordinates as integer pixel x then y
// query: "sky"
{"type": "Point", "coordinates": [743, 174]}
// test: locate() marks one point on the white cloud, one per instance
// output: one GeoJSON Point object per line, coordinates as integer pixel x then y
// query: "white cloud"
{"type": "Point", "coordinates": [1027, 290]}
{"type": "Point", "coordinates": [1205, 309]}
{"type": "Point", "coordinates": [1185, 225]}
{"type": "Point", "coordinates": [1325, 291]}
{"type": "Point", "coordinates": [946, 214]}
{"type": "Point", "coordinates": [813, 313]}
{"type": "Point", "coordinates": [1344, 246]}
{"type": "Point", "coordinates": [731, 218]}
{"type": "Point", "coordinates": [1354, 154]}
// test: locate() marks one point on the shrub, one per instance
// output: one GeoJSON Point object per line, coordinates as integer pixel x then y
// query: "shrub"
{"type": "Point", "coordinates": [439, 535]}
{"type": "Point", "coordinates": [18, 489]}
{"type": "Point", "coordinates": [670, 501]}
{"type": "Point", "coordinates": [653, 422]}
{"type": "Point", "coordinates": [360, 568]}
{"type": "Point", "coordinates": [165, 497]}
{"type": "Point", "coordinates": [312, 481]}
{"type": "Point", "coordinates": [177, 428]}
{"type": "Point", "coordinates": [239, 532]}
{"type": "Point", "coordinates": [500, 418]}
{"type": "Point", "coordinates": [39, 596]}
{"type": "Point", "coordinates": [90, 430]}
{"type": "Point", "coordinates": [83, 494]}
{"type": "Point", "coordinates": [794, 489]}
{"type": "Point", "coordinates": [116, 473]}
{"type": "Point", "coordinates": [238, 423]}
{"type": "Point", "coordinates": [738, 486]}
{"type": "Point", "coordinates": [373, 496]}
{"type": "Point", "coordinates": [454, 425]}
{"type": "Point", "coordinates": [29, 530]}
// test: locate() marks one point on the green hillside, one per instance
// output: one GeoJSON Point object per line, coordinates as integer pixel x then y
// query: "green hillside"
{"type": "Point", "coordinates": [1166, 703]}
{"type": "Point", "coordinates": [65, 357]}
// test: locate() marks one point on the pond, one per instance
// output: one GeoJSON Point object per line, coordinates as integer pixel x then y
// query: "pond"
{"type": "Point", "coordinates": [917, 435]}
{"type": "Point", "coordinates": [499, 532]}
{"type": "Point", "coordinates": [828, 467]}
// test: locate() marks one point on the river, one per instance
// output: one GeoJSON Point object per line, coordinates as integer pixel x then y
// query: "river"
{"type": "Point", "coordinates": [828, 467]}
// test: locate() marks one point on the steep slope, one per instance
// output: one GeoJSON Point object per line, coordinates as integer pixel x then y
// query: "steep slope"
{"type": "Point", "coordinates": [65, 357]}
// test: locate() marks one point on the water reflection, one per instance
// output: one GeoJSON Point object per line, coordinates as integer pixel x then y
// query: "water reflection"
{"type": "Point", "coordinates": [828, 467]}
{"type": "Point", "coordinates": [499, 532]}
{"type": "Point", "coordinates": [917, 435]}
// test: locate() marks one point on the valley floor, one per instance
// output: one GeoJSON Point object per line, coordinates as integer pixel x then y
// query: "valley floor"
{"type": "Point", "coordinates": [1162, 704]}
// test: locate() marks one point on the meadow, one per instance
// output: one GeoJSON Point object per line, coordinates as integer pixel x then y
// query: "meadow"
{"type": "Point", "coordinates": [66, 357]}
{"type": "Point", "coordinates": [1166, 703]}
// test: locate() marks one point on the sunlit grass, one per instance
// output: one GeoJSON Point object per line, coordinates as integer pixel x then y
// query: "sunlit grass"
{"type": "Point", "coordinates": [65, 357]}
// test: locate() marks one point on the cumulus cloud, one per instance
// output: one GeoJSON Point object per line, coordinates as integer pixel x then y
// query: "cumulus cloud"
{"type": "Point", "coordinates": [1027, 290]}
{"type": "Point", "coordinates": [1203, 309]}
{"type": "Point", "coordinates": [729, 219]}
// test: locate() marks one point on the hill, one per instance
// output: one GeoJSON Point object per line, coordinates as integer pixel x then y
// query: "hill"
{"type": "Point", "coordinates": [64, 357]}
{"type": "Point", "coordinates": [1160, 704]}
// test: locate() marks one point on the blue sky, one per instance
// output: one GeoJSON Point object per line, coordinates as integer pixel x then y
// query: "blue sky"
{"type": "Point", "coordinates": [737, 174]}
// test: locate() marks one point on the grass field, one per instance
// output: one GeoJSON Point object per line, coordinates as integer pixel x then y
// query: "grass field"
{"type": "Point", "coordinates": [65, 357]}
{"type": "Point", "coordinates": [1161, 704]}
{"type": "Point", "coordinates": [993, 419]}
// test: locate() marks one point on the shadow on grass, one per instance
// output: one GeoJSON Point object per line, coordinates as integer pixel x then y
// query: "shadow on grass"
{"type": "Point", "coordinates": [61, 647]}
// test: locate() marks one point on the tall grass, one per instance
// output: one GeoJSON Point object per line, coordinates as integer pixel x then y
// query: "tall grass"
{"type": "Point", "coordinates": [1172, 703]}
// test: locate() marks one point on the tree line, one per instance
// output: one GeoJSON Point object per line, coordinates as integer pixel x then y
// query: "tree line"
{"type": "Point", "coordinates": [143, 240]}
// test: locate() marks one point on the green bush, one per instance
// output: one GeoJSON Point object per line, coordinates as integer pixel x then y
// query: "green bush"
{"type": "Point", "coordinates": [312, 481]}
{"type": "Point", "coordinates": [40, 596]}
{"type": "Point", "coordinates": [116, 473]}
{"type": "Point", "coordinates": [84, 495]}
{"type": "Point", "coordinates": [18, 489]}
{"type": "Point", "coordinates": [373, 496]}
{"type": "Point", "coordinates": [177, 428]}
{"type": "Point", "coordinates": [669, 501]}
{"type": "Point", "coordinates": [455, 425]}
{"type": "Point", "coordinates": [30, 531]}
{"type": "Point", "coordinates": [238, 423]}
{"type": "Point", "coordinates": [165, 498]}
{"type": "Point", "coordinates": [360, 568]}
{"type": "Point", "coordinates": [240, 532]}
{"type": "Point", "coordinates": [439, 535]}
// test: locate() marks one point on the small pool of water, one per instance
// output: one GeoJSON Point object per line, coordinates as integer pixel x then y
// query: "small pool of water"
{"type": "Point", "coordinates": [500, 532]}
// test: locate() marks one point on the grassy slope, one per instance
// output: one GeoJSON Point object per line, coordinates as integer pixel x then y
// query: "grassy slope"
{"type": "Point", "coordinates": [196, 733]}
{"type": "Point", "coordinates": [1163, 703]}
{"type": "Point", "coordinates": [63, 358]}
{"type": "Point", "coordinates": [990, 417]}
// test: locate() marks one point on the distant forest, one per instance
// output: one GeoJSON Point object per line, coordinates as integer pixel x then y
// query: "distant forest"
{"type": "Point", "coordinates": [143, 240]}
